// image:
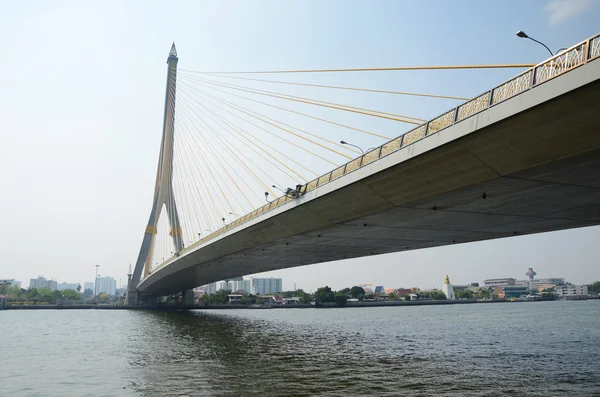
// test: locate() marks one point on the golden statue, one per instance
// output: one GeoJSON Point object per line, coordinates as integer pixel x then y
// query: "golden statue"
{"type": "Point", "coordinates": [447, 280]}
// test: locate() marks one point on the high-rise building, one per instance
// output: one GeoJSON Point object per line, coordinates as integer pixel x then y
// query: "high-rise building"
{"type": "Point", "coordinates": [241, 285]}
{"type": "Point", "coordinates": [88, 285]}
{"type": "Point", "coordinates": [210, 288]}
{"type": "Point", "coordinates": [63, 286]}
{"type": "Point", "coordinates": [42, 282]}
{"type": "Point", "coordinates": [263, 286]}
{"type": "Point", "coordinates": [106, 285]}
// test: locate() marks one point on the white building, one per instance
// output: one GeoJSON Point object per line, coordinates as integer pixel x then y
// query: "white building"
{"type": "Point", "coordinates": [263, 286]}
{"type": "Point", "coordinates": [106, 285]}
{"type": "Point", "coordinates": [241, 285]}
{"type": "Point", "coordinates": [571, 290]}
{"type": "Point", "coordinates": [499, 282]}
{"type": "Point", "coordinates": [42, 282]}
{"type": "Point", "coordinates": [63, 286]}
{"type": "Point", "coordinates": [210, 288]}
{"type": "Point", "coordinates": [448, 290]}
{"type": "Point", "coordinates": [88, 285]}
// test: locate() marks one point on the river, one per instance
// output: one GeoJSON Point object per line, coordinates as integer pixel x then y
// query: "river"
{"type": "Point", "coordinates": [504, 349]}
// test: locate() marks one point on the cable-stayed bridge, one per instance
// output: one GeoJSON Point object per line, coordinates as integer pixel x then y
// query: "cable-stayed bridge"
{"type": "Point", "coordinates": [251, 180]}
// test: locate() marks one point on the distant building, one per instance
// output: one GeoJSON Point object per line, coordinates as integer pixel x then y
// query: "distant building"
{"type": "Point", "coordinates": [499, 282]}
{"type": "Point", "coordinates": [241, 285]}
{"type": "Point", "coordinates": [107, 285]}
{"type": "Point", "coordinates": [42, 282]}
{"type": "Point", "coordinates": [7, 282]}
{"type": "Point", "coordinates": [264, 286]}
{"type": "Point", "coordinates": [223, 285]}
{"type": "Point", "coordinates": [541, 283]}
{"type": "Point", "coordinates": [211, 288]}
{"type": "Point", "coordinates": [64, 286]}
{"type": "Point", "coordinates": [379, 290]}
{"type": "Point", "coordinates": [515, 291]}
{"type": "Point", "coordinates": [571, 290]}
{"type": "Point", "coordinates": [88, 285]}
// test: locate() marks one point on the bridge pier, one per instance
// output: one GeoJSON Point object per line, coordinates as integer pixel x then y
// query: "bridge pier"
{"type": "Point", "coordinates": [132, 298]}
{"type": "Point", "coordinates": [188, 298]}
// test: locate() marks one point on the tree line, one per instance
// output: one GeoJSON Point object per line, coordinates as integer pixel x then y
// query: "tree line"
{"type": "Point", "coordinates": [15, 294]}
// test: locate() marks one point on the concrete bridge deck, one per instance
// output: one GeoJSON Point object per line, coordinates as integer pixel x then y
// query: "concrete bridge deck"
{"type": "Point", "coordinates": [530, 164]}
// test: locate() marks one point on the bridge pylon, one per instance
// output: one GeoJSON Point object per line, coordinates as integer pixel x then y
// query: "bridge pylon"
{"type": "Point", "coordinates": [163, 190]}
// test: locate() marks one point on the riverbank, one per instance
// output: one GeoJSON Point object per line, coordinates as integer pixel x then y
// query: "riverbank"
{"type": "Point", "coordinates": [329, 305]}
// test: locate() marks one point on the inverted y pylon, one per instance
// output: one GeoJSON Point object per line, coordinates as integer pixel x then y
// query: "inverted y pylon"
{"type": "Point", "coordinates": [163, 190]}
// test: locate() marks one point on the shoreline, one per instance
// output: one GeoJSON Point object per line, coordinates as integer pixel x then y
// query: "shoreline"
{"type": "Point", "coordinates": [329, 305]}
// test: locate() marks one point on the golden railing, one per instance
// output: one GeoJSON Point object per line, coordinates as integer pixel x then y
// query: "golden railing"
{"type": "Point", "coordinates": [567, 60]}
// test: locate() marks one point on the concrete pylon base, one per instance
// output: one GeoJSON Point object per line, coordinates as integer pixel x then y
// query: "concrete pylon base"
{"type": "Point", "coordinates": [132, 299]}
{"type": "Point", "coordinates": [188, 298]}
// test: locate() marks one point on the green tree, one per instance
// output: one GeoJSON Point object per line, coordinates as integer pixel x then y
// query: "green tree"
{"type": "Point", "coordinates": [345, 291]}
{"type": "Point", "coordinates": [324, 294]}
{"type": "Point", "coordinates": [356, 291]}
{"type": "Point", "coordinates": [594, 287]}
{"type": "Point", "coordinates": [220, 297]}
{"type": "Point", "coordinates": [305, 298]}
{"type": "Point", "coordinates": [13, 293]}
{"type": "Point", "coordinates": [34, 295]}
{"type": "Point", "coordinates": [393, 296]}
{"type": "Point", "coordinates": [437, 295]}
{"type": "Point", "coordinates": [407, 297]}
{"type": "Point", "coordinates": [46, 295]}
{"type": "Point", "coordinates": [464, 294]}
{"type": "Point", "coordinates": [88, 292]}
{"type": "Point", "coordinates": [70, 295]}
{"type": "Point", "coordinates": [341, 299]}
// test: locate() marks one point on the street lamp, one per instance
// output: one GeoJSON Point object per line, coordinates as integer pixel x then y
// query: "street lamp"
{"type": "Point", "coordinates": [523, 35]}
{"type": "Point", "coordinates": [234, 214]}
{"type": "Point", "coordinates": [349, 144]}
{"type": "Point", "coordinates": [267, 197]}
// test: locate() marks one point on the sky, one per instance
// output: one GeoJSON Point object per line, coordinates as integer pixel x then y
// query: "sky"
{"type": "Point", "coordinates": [82, 106]}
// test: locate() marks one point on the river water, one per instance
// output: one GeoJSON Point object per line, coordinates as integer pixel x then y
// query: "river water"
{"type": "Point", "coordinates": [505, 349]}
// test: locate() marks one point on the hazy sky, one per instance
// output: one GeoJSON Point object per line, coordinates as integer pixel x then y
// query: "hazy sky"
{"type": "Point", "coordinates": [82, 88]}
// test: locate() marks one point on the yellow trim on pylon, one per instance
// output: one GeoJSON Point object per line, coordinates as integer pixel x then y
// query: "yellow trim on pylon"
{"type": "Point", "coordinates": [151, 229]}
{"type": "Point", "coordinates": [176, 231]}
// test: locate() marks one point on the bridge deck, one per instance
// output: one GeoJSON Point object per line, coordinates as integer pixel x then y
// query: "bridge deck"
{"type": "Point", "coordinates": [528, 165]}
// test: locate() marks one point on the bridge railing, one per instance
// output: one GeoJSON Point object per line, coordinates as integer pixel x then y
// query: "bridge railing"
{"type": "Point", "coordinates": [567, 60]}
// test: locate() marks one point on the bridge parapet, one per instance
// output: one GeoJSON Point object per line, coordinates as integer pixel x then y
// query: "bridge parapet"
{"type": "Point", "coordinates": [551, 68]}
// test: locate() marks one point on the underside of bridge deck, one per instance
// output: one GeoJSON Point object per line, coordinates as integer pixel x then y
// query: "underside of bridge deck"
{"type": "Point", "coordinates": [534, 171]}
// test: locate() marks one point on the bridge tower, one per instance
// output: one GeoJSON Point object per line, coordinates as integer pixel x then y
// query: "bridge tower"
{"type": "Point", "coordinates": [163, 190]}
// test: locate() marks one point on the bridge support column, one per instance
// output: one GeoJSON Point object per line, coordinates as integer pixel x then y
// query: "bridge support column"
{"type": "Point", "coordinates": [163, 190]}
{"type": "Point", "coordinates": [188, 298]}
{"type": "Point", "coordinates": [132, 298]}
